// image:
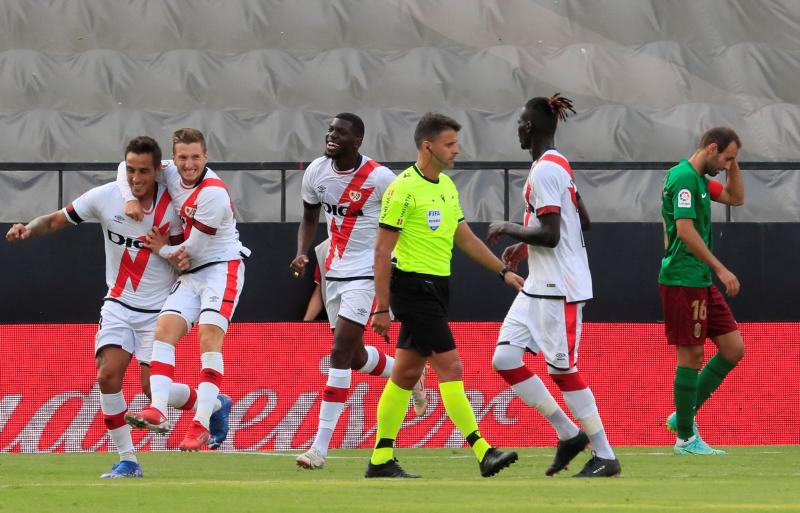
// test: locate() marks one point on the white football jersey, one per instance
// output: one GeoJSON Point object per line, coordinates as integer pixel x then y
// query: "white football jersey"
{"type": "Point", "coordinates": [134, 276]}
{"type": "Point", "coordinates": [562, 271]}
{"type": "Point", "coordinates": [352, 204]}
{"type": "Point", "coordinates": [207, 207]}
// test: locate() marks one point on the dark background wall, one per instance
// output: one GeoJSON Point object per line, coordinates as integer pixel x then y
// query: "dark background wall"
{"type": "Point", "coordinates": [61, 278]}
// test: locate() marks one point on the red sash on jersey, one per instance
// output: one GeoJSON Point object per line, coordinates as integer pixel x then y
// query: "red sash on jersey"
{"type": "Point", "coordinates": [189, 208]}
{"type": "Point", "coordinates": [134, 269]}
{"type": "Point", "coordinates": [357, 197]}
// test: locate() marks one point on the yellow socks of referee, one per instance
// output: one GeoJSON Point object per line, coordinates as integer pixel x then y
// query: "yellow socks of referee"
{"type": "Point", "coordinates": [460, 412]}
{"type": "Point", "coordinates": [392, 408]}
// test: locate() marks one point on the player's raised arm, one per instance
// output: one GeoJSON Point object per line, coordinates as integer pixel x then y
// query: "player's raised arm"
{"type": "Point", "coordinates": [732, 193]}
{"type": "Point", "coordinates": [39, 227]}
{"type": "Point", "coordinates": [133, 208]}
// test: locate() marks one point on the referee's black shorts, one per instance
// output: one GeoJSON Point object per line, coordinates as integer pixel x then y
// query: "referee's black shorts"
{"type": "Point", "coordinates": [419, 302]}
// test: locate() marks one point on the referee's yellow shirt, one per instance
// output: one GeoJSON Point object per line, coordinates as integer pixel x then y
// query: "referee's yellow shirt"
{"type": "Point", "coordinates": [426, 213]}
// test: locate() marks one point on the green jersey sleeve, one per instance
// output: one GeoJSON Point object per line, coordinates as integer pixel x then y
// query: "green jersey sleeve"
{"type": "Point", "coordinates": [396, 206]}
{"type": "Point", "coordinates": [684, 196]}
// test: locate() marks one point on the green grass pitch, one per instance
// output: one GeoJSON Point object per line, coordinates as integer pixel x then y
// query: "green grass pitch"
{"type": "Point", "coordinates": [749, 479]}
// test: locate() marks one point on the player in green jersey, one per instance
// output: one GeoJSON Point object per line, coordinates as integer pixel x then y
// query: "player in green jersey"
{"type": "Point", "coordinates": [420, 220]}
{"type": "Point", "coordinates": [694, 309]}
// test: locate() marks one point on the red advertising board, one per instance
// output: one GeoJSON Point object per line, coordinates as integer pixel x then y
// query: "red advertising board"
{"type": "Point", "coordinates": [276, 371]}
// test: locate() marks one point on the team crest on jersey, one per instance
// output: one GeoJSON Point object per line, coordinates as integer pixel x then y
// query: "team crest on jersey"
{"type": "Point", "coordinates": [684, 199]}
{"type": "Point", "coordinates": [354, 196]}
{"type": "Point", "coordinates": [434, 219]}
{"type": "Point", "coordinates": [189, 211]}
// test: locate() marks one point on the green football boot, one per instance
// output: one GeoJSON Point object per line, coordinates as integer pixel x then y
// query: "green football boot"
{"type": "Point", "coordinates": [697, 447]}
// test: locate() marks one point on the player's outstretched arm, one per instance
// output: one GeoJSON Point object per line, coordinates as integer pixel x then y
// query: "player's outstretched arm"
{"type": "Point", "coordinates": [133, 208]}
{"type": "Point", "coordinates": [305, 235]}
{"type": "Point", "coordinates": [689, 236]}
{"type": "Point", "coordinates": [470, 244]}
{"type": "Point", "coordinates": [548, 234]}
{"type": "Point", "coordinates": [39, 227]}
{"type": "Point", "coordinates": [733, 192]}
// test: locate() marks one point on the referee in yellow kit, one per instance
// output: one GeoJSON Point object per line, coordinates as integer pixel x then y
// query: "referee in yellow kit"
{"type": "Point", "coordinates": [420, 219]}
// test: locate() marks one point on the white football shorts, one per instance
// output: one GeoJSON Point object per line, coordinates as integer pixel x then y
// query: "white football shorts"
{"type": "Point", "coordinates": [352, 300]}
{"type": "Point", "coordinates": [207, 296]}
{"type": "Point", "coordinates": [543, 325]}
{"type": "Point", "coordinates": [131, 330]}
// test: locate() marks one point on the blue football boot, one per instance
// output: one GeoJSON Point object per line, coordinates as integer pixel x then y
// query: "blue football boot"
{"type": "Point", "coordinates": [218, 423]}
{"type": "Point", "coordinates": [123, 469]}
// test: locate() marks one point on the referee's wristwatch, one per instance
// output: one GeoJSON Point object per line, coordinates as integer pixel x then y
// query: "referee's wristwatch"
{"type": "Point", "coordinates": [502, 273]}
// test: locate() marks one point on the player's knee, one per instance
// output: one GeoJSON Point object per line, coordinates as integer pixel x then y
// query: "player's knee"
{"type": "Point", "coordinates": [451, 371]}
{"type": "Point", "coordinates": [342, 355]}
{"type": "Point", "coordinates": [358, 359]}
{"type": "Point", "coordinates": [505, 358]}
{"type": "Point", "coordinates": [735, 354]}
{"type": "Point", "coordinates": [109, 381]}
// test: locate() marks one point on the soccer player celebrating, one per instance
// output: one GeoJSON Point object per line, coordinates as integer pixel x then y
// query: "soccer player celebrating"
{"type": "Point", "coordinates": [206, 294]}
{"type": "Point", "coordinates": [420, 219]}
{"type": "Point", "coordinates": [694, 309]}
{"type": "Point", "coordinates": [546, 315]}
{"type": "Point", "coordinates": [138, 283]}
{"type": "Point", "coordinates": [349, 187]}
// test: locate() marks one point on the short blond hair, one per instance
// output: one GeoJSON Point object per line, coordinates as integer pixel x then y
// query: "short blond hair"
{"type": "Point", "coordinates": [188, 136]}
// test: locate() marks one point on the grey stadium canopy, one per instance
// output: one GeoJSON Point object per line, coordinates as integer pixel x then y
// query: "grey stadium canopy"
{"type": "Point", "coordinates": [262, 79]}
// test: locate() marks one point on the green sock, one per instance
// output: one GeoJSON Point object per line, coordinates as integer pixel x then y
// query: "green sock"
{"type": "Point", "coordinates": [711, 377]}
{"type": "Point", "coordinates": [460, 412]}
{"type": "Point", "coordinates": [392, 408]}
{"type": "Point", "coordinates": [685, 390]}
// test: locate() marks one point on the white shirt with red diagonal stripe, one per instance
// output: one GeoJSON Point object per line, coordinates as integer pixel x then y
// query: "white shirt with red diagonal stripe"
{"type": "Point", "coordinates": [210, 211]}
{"type": "Point", "coordinates": [352, 203]}
{"type": "Point", "coordinates": [564, 270]}
{"type": "Point", "coordinates": [134, 275]}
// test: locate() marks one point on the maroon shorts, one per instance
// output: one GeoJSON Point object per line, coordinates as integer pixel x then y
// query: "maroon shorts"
{"type": "Point", "coordinates": [691, 314]}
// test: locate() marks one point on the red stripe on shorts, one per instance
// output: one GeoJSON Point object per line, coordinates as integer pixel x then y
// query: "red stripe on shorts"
{"type": "Point", "coordinates": [514, 376]}
{"type": "Point", "coordinates": [231, 289]}
{"type": "Point", "coordinates": [571, 322]}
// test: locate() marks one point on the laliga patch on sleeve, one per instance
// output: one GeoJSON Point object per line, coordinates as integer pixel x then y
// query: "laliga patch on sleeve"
{"type": "Point", "coordinates": [684, 199]}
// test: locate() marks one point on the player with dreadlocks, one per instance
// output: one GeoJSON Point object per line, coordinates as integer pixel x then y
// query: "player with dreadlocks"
{"type": "Point", "coordinates": [546, 315]}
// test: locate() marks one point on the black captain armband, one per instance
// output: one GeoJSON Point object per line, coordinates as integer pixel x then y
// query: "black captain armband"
{"type": "Point", "coordinates": [502, 273]}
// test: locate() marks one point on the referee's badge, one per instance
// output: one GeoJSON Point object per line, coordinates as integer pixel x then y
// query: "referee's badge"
{"type": "Point", "coordinates": [434, 219]}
